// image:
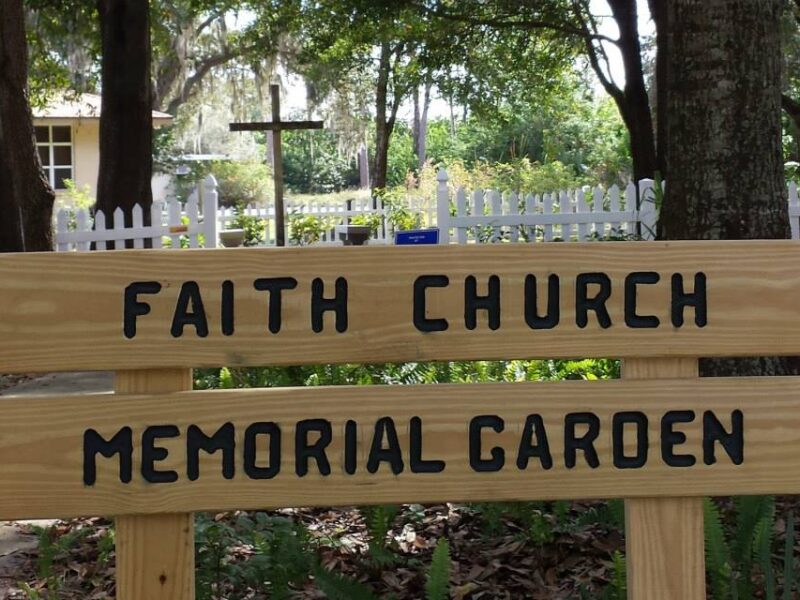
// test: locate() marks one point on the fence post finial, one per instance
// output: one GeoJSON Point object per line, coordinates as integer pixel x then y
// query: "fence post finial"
{"type": "Point", "coordinates": [210, 206]}
{"type": "Point", "coordinates": [443, 206]}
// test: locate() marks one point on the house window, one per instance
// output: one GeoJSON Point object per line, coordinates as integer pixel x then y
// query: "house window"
{"type": "Point", "coordinates": [54, 143]}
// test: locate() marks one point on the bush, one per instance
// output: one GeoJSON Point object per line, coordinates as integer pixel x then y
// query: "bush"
{"type": "Point", "coordinates": [243, 183]}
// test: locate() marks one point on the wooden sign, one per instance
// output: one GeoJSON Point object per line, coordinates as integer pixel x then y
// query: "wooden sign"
{"type": "Point", "coordinates": [152, 453]}
{"type": "Point", "coordinates": [145, 309]}
{"type": "Point", "coordinates": [253, 449]}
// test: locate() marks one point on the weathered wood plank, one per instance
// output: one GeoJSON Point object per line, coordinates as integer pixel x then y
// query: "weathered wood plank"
{"type": "Point", "coordinates": [155, 553]}
{"type": "Point", "coordinates": [42, 445]}
{"type": "Point", "coordinates": [664, 537]}
{"type": "Point", "coordinates": [65, 311]}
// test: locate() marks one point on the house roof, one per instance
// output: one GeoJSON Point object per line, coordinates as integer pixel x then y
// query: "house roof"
{"type": "Point", "coordinates": [83, 106]}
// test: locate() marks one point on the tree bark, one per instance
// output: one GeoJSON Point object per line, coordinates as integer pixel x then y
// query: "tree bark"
{"type": "Point", "coordinates": [723, 132]}
{"type": "Point", "coordinates": [385, 116]}
{"type": "Point", "coordinates": [126, 126]}
{"type": "Point", "coordinates": [26, 199]}
{"type": "Point", "coordinates": [420, 130]}
{"type": "Point", "coordinates": [635, 105]}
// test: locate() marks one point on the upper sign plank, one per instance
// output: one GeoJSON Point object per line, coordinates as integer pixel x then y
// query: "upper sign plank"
{"type": "Point", "coordinates": [145, 309]}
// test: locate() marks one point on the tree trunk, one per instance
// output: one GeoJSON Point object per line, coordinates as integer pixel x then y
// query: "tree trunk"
{"type": "Point", "coordinates": [658, 13]}
{"type": "Point", "coordinates": [126, 126]}
{"type": "Point", "coordinates": [383, 128]}
{"type": "Point", "coordinates": [723, 132]}
{"type": "Point", "coordinates": [421, 123]}
{"type": "Point", "coordinates": [26, 199]}
{"type": "Point", "coordinates": [634, 106]}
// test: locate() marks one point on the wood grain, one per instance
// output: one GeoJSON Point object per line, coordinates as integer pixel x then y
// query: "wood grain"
{"type": "Point", "coordinates": [155, 553]}
{"type": "Point", "coordinates": [64, 311]}
{"type": "Point", "coordinates": [41, 452]}
{"type": "Point", "coordinates": [664, 538]}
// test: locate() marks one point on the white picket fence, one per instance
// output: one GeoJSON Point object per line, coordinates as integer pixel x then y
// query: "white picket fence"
{"type": "Point", "coordinates": [794, 210]}
{"type": "Point", "coordinates": [335, 215]}
{"type": "Point", "coordinates": [483, 216]}
{"type": "Point", "coordinates": [171, 224]}
{"type": "Point", "coordinates": [462, 217]}
{"type": "Point", "coordinates": [174, 225]}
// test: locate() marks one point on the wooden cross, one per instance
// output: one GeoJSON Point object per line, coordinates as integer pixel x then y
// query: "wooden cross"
{"type": "Point", "coordinates": [276, 126]}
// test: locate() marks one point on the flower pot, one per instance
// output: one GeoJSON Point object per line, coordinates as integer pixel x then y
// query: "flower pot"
{"type": "Point", "coordinates": [231, 238]}
{"type": "Point", "coordinates": [354, 235]}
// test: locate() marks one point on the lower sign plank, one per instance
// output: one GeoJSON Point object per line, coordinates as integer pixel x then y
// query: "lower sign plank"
{"type": "Point", "coordinates": [248, 449]}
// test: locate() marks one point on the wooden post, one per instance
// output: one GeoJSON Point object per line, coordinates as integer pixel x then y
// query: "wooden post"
{"type": "Point", "coordinates": [277, 162]}
{"type": "Point", "coordinates": [664, 536]}
{"type": "Point", "coordinates": [155, 553]}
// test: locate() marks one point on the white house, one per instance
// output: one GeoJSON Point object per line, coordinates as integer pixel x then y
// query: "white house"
{"type": "Point", "coordinates": [68, 139]}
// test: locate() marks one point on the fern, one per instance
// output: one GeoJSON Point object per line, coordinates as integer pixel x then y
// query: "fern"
{"type": "Point", "coordinates": [379, 521]}
{"type": "Point", "coordinates": [339, 587]}
{"type": "Point", "coordinates": [788, 559]}
{"type": "Point", "coordinates": [762, 546]}
{"type": "Point", "coordinates": [620, 577]}
{"type": "Point", "coordinates": [718, 554]}
{"type": "Point", "coordinates": [438, 585]}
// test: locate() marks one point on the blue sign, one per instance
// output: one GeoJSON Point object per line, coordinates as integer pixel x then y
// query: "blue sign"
{"type": "Point", "coordinates": [413, 237]}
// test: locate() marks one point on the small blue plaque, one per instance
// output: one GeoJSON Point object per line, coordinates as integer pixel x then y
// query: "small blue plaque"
{"type": "Point", "coordinates": [412, 237]}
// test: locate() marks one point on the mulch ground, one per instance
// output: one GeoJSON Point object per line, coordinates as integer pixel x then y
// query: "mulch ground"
{"type": "Point", "coordinates": [503, 565]}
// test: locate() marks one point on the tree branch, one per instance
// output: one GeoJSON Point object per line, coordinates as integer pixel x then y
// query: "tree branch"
{"type": "Point", "coordinates": [512, 21]}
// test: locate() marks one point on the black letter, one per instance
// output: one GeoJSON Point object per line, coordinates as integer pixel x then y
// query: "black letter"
{"type": "Point", "coordinates": [338, 304]}
{"type": "Point", "coordinates": [733, 442]}
{"type": "Point", "coordinates": [670, 438]}
{"type": "Point", "coordinates": [250, 437]}
{"type": "Point", "coordinates": [190, 291]}
{"type": "Point", "coordinates": [384, 427]}
{"type": "Point", "coordinates": [475, 447]}
{"type": "Point", "coordinates": [680, 300]}
{"type": "Point", "coordinates": [584, 304]}
{"type": "Point", "coordinates": [585, 443]}
{"type": "Point", "coordinates": [227, 308]}
{"type": "Point", "coordinates": [121, 443]}
{"type": "Point", "coordinates": [618, 439]}
{"type": "Point", "coordinates": [421, 322]}
{"type": "Point", "coordinates": [302, 451]}
{"type": "Point", "coordinates": [473, 303]}
{"type": "Point", "coordinates": [418, 465]}
{"type": "Point", "coordinates": [534, 426]}
{"type": "Point", "coordinates": [223, 439]}
{"type": "Point", "coordinates": [274, 285]}
{"type": "Point", "coordinates": [350, 446]}
{"type": "Point", "coordinates": [631, 318]}
{"type": "Point", "coordinates": [553, 315]}
{"type": "Point", "coordinates": [133, 308]}
{"type": "Point", "coordinates": [151, 454]}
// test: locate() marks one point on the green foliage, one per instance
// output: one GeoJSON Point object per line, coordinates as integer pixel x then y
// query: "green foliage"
{"type": "Point", "coordinates": [78, 197]}
{"type": "Point", "coordinates": [281, 555]}
{"type": "Point", "coordinates": [312, 163]}
{"type": "Point", "coordinates": [438, 584]}
{"type": "Point", "coordinates": [242, 183]}
{"type": "Point", "coordinates": [254, 227]}
{"type": "Point", "coordinates": [619, 582]}
{"type": "Point", "coordinates": [371, 220]}
{"type": "Point", "coordinates": [788, 559]}
{"type": "Point", "coordinates": [736, 561]}
{"type": "Point", "coordinates": [52, 547]}
{"type": "Point", "coordinates": [379, 519]}
{"type": "Point", "coordinates": [339, 587]}
{"type": "Point", "coordinates": [307, 229]}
